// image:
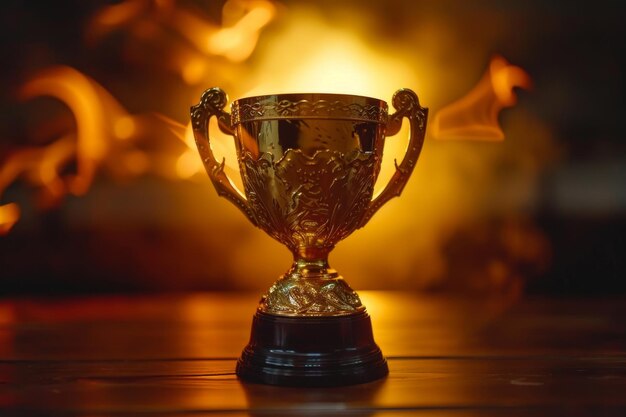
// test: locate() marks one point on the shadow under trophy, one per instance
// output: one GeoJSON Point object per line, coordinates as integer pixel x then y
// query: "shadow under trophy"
{"type": "Point", "coordinates": [308, 164]}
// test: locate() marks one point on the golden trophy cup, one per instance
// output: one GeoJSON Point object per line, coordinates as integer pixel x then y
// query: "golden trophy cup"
{"type": "Point", "coordinates": [308, 164]}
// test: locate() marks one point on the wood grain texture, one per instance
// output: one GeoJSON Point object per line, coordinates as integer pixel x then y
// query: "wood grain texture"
{"type": "Point", "coordinates": [175, 355]}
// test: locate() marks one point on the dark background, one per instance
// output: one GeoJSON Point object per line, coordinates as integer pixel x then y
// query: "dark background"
{"type": "Point", "coordinates": [574, 52]}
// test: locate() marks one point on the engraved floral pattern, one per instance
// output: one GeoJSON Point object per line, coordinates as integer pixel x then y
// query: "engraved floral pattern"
{"type": "Point", "coordinates": [305, 201]}
{"type": "Point", "coordinates": [302, 109]}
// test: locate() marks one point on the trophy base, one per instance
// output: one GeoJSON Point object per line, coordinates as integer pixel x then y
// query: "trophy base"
{"type": "Point", "coordinates": [311, 351]}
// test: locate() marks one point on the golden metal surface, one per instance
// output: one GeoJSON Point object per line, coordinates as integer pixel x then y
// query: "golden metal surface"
{"type": "Point", "coordinates": [309, 163]}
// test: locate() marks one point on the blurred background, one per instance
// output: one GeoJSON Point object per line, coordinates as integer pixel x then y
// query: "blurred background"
{"type": "Point", "coordinates": [520, 188]}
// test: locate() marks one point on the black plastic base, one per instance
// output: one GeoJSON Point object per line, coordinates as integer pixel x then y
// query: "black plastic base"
{"type": "Point", "coordinates": [311, 351]}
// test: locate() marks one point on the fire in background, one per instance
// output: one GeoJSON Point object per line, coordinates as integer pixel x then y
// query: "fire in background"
{"type": "Point", "coordinates": [104, 183]}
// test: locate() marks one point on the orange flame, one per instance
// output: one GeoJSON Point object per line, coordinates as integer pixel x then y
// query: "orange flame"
{"type": "Point", "coordinates": [99, 117]}
{"type": "Point", "coordinates": [108, 138]}
{"type": "Point", "coordinates": [157, 20]}
{"type": "Point", "coordinates": [96, 113]}
{"type": "Point", "coordinates": [235, 42]}
{"type": "Point", "coordinates": [39, 166]}
{"type": "Point", "coordinates": [475, 116]}
{"type": "Point", "coordinates": [106, 134]}
{"type": "Point", "coordinates": [9, 215]}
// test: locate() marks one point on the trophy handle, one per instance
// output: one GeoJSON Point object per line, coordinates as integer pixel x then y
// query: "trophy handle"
{"type": "Point", "coordinates": [407, 105]}
{"type": "Point", "coordinates": [212, 103]}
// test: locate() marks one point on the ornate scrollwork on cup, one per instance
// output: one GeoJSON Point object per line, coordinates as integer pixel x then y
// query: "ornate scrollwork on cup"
{"type": "Point", "coordinates": [309, 201]}
{"type": "Point", "coordinates": [212, 103]}
{"type": "Point", "coordinates": [306, 109]}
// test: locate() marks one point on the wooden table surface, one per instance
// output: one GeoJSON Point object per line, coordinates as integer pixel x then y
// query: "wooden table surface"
{"type": "Point", "coordinates": [448, 356]}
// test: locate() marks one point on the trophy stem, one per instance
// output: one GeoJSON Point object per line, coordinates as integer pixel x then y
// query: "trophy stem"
{"type": "Point", "coordinates": [311, 288]}
{"type": "Point", "coordinates": [311, 268]}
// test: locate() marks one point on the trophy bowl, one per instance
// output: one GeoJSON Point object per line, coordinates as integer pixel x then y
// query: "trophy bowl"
{"type": "Point", "coordinates": [308, 164]}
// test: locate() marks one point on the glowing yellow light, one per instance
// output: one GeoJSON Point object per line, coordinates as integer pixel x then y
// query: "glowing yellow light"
{"type": "Point", "coordinates": [337, 62]}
